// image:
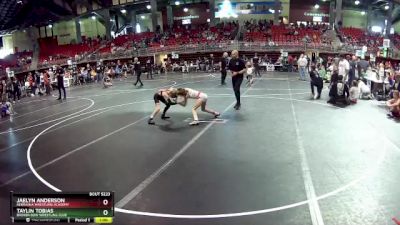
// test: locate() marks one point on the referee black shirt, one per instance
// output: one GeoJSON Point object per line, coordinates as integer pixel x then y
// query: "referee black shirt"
{"type": "Point", "coordinates": [60, 78]}
{"type": "Point", "coordinates": [255, 60]}
{"type": "Point", "coordinates": [137, 66]}
{"type": "Point", "coordinates": [236, 65]}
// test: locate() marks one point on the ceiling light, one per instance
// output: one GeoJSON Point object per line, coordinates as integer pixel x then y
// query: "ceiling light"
{"type": "Point", "coordinates": [357, 2]}
{"type": "Point", "coordinates": [363, 13]}
{"type": "Point", "coordinates": [386, 7]}
{"type": "Point", "coordinates": [148, 6]}
{"type": "Point", "coordinates": [185, 9]}
{"type": "Point", "coordinates": [142, 17]}
{"type": "Point", "coordinates": [252, 4]}
{"type": "Point", "coordinates": [123, 11]}
{"type": "Point", "coordinates": [208, 20]}
{"type": "Point", "coordinates": [93, 18]}
{"type": "Point", "coordinates": [177, 3]}
{"type": "Point", "coordinates": [316, 6]}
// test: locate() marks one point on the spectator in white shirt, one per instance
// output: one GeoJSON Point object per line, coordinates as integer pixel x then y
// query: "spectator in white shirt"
{"type": "Point", "coordinates": [364, 90]}
{"type": "Point", "coordinates": [344, 68]}
{"type": "Point", "coordinates": [354, 92]}
{"type": "Point", "coordinates": [302, 64]}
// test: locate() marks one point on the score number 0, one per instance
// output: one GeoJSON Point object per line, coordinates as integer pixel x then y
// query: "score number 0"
{"type": "Point", "coordinates": [105, 212]}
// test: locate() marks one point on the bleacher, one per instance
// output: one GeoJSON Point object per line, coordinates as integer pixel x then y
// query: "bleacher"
{"type": "Point", "coordinates": [50, 50]}
{"type": "Point", "coordinates": [17, 60]}
{"type": "Point", "coordinates": [282, 35]}
{"type": "Point", "coordinates": [359, 37]}
{"type": "Point", "coordinates": [126, 41]}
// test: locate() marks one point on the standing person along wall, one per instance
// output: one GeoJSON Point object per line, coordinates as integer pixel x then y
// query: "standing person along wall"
{"type": "Point", "coordinates": [223, 65]}
{"type": "Point", "coordinates": [60, 82]}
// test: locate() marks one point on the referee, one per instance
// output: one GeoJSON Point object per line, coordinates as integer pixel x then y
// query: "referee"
{"type": "Point", "coordinates": [60, 82]}
{"type": "Point", "coordinates": [238, 68]}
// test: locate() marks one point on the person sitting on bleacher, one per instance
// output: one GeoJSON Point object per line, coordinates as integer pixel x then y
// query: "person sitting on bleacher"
{"type": "Point", "coordinates": [339, 92]}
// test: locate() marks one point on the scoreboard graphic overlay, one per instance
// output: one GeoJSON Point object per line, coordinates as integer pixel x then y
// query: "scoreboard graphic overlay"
{"type": "Point", "coordinates": [89, 207]}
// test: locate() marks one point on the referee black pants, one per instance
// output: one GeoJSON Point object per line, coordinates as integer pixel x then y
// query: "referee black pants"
{"type": "Point", "coordinates": [138, 80]}
{"type": "Point", "coordinates": [257, 70]}
{"type": "Point", "coordinates": [236, 82]}
{"type": "Point", "coordinates": [61, 87]}
{"type": "Point", "coordinates": [223, 76]}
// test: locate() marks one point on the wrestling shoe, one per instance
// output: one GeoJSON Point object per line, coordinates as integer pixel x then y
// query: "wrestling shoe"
{"type": "Point", "coordinates": [164, 117]}
{"type": "Point", "coordinates": [217, 114]}
{"type": "Point", "coordinates": [194, 122]}
{"type": "Point", "coordinates": [237, 106]}
{"type": "Point", "coordinates": [151, 121]}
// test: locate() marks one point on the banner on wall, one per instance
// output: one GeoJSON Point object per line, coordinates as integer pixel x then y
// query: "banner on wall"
{"type": "Point", "coordinates": [249, 7]}
{"type": "Point", "coordinates": [174, 55]}
{"type": "Point", "coordinates": [314, 14]}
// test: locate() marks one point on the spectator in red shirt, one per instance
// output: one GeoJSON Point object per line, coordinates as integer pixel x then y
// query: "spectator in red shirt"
{"type": "Point", "coordinates": [290, 62]}
{"type": "Point", "coordinates": [46, 81]}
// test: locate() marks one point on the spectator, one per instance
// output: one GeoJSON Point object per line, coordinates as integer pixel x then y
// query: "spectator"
{"type": "Point", "coordinates": [302, 63]}
{"type": "Point", "coordinates": [362, 67]}
{"type": "Point", "coordinates": [32, 84]}
{"type": "Point", "coordinates": [223, 65]}
{"type": "Point", "coordinates": [290, 62]}
{"type": "Point", "coordinates": [339, 92]}
{"type": "Point", "coordinates": [395, 84]}
{"type": "Point", "coordinates": [3, 90]}
{"type": "Point", "coordinates": [10, 88]}
{"type": "Point", "coordinates": [107, 81]}
{"type": "Point", "coordinates": [354, 92]}
{"type": "Point", "coordinates": [364, 90]}
{"type": "Point", "coordinates": [316, 81]}
{"type": "Point", "coordinates": [6, 108]}
{"type": "Point", "coordinates": [47, 84]}
{"type": "Point", "coordinates": [343, 68]}
{"type": "Point", "coordinates": [256, 64]}
{"type": "Point", "coordinates": [149, 69]}
{"type": "Point", "coordinates": [352, 71]}
{"type": "Point", "coordinates": [322, 72]}
{"type": "Point", "coordinates": [394, 105]}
